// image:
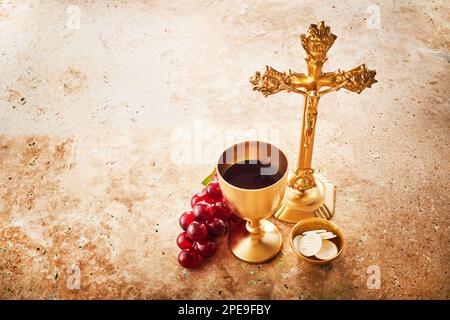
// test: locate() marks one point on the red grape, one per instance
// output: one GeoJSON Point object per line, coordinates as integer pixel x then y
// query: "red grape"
{"type": "Point", "coordinates": [206, 249]}
{"type": "Point", "coordinates": [213, 191]}
{"type": "Point", "coordinates": [203, 212]}
{"type": "Point", "coordinates": [217, 228]}
{"type": "Point", "coordinates": [221, 210]}
{"type": "Point", "coordinates": [183, 241]}
{"type": "Point", "coordinates": [197, 231]}
{"type": "Point", "coordinates": [199, 197]}
{"type": "Point", "coordinates": [235, 218]}
{"type": "Point", "coordinates": [217, 206]}
{"type": "Point", "coordinates": [194, 198]}
{"type": "Point", "coordinates": [186, 219]}
{"type": "Point", "coordinates": [188, 258]}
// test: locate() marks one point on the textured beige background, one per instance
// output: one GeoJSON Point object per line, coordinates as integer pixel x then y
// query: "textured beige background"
{"type": "Point", "coordinates": [90, 119]}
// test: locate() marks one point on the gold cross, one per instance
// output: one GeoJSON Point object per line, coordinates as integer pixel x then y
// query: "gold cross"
{"type": "Point", "coordinates": [316, 42]}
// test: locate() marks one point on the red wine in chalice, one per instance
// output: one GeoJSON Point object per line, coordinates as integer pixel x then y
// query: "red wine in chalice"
{"type": "Point", "coordinates": [248, 175]}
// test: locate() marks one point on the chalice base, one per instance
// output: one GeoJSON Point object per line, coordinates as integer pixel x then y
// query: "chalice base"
{"type": "Point", "coordinates": [255, 248]}
{"type": "Point", "coordinates": [315, 202]}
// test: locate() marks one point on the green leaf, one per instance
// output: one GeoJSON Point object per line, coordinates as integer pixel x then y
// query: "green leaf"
{"type": "Point", "coordinates": [208, 179]}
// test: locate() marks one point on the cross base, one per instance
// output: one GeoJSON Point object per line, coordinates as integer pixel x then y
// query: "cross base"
{"type": "Point", "coordinates": [315, 202]}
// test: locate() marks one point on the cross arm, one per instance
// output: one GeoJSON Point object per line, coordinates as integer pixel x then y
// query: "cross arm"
{"type": "Point", "coordinates": [356, 80]}
{"type": "Point", "coordinates": [273, 81]}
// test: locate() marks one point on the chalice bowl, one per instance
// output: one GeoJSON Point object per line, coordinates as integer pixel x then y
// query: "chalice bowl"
{"type": "Point", "coordinates": [252, 176]}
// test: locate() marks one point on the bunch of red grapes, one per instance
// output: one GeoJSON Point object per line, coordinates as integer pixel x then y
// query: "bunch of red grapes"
{"type": "Point", "coordinates": [210, 218]}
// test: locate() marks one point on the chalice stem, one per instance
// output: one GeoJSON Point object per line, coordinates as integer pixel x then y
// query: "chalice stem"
{"type": "Point", "coordinates": [254, 227]}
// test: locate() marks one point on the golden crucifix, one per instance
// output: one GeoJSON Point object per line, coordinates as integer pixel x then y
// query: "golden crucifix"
{"type": "Point", "coordinates": [309, 194]}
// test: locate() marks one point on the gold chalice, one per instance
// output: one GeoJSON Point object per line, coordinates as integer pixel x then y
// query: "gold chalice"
{"type": "Point", "coordinates": [253, 176]}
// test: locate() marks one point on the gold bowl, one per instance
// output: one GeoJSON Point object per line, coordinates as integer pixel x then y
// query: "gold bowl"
{"type": "Point", "coordinates": [317, 224]}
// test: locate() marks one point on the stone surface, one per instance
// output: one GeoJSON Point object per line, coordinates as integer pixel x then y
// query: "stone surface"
{"type": "Point", "coordinates": [109, 125]}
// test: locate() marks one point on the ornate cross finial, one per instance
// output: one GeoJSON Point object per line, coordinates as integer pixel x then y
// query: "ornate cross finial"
{"type": "Point", "coordinates": [313, 85]}
{"type": "Point", "coordinates": [317, 41]}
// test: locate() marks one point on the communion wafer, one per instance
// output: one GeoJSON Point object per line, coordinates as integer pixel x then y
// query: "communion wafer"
{"type": "Point", "coordinates": [314, 231]}
{"type": "Point", "coordinates": [310, 244]}
{"type": "Point", "coordinates": [296, 242]}
{"type": "Point", "coordinates": [328, 250]}
{"type": "Point", "coordinates": [327, 235]}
